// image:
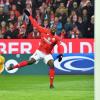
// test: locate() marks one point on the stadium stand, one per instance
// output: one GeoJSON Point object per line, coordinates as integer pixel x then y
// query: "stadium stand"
{"type": "Point", "coordinates": [72, 18]}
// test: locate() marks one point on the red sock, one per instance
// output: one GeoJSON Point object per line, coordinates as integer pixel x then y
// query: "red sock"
{"type": "Point", "coordinates": [51, 75]}
{"type": "Point", "coordinates": [21, 64]}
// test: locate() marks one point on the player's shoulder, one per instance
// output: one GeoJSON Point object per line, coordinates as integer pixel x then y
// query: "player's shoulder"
{"type": "Point", "coordinates": [57, 37]}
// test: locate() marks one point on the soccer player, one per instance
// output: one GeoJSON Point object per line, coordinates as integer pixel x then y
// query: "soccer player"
{"type": "Point", "coordinates": [48, 41]}
{"type": "Point", "coordinates": [2, 60]}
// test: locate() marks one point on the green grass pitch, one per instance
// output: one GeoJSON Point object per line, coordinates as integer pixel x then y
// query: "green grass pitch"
{"type": "Point", "coordinates": [36, 87]}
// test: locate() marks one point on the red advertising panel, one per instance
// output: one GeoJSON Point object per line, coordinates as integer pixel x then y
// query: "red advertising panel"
{"type": "Point", "coordinates": [28, 46]}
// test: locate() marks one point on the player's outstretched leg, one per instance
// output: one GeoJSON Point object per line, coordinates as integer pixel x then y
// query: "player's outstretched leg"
{"type": "Point", "coordinates": [51, 72]}
{"type": "Point", "coordinates": [22, 64]}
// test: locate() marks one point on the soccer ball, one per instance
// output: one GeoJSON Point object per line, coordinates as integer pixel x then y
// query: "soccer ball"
{"type": "Point", "coordinates": [2, 60]}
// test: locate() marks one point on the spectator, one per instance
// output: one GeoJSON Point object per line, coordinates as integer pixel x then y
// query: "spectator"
{"type": "Point", "coordinates": [6, 7]}
{"type": "Point", "coordinates": [42, 10]}
{"type": "Point", "coordinates": [81, 26]}
{"type": "Point", "coordinates": [75, 6]}
{"type": "Point", "coordinates": [12, 32]}
{"type": "Point", "coordinates": [52, 17]}
{"type": "Point", "coordinates": [22, 32]}
{"type": "Point", "coordinates": [90, 10]}
{"type": "Point", "coordinates": [68, 25]}
{"type": "Point", "coordinates": [85, 15]}
{"type": "Point", "coordinates": [20, 4]}
{"type": "Point", "coordinates": [29, 2]}
{"type": "Point", "coordinates": [58, 26]}
{"type": "Point", "coordinates": [57, 3]}
{"type": "Point", "coordinates": [46, 23]}
{"type": "Point", "coordinates": [39, 2]}
{"type": "Point", "coordinates": [15, 11]}
{"type": "Point", "coordinates": [74, 33]}
{"type": "Point", "coordinates": [38, 16]}
{"type": "Point", "coordinates": [1, 34]}
{"type": "Point", "coordinates": [3, 27]}
{"type": "Point", "coordinates": [73, 17]}
{"type": "Point", "coordinates": [61, 10]}
{"type": "Point", "coordinates": [3, 16]}
{"type": "Point", "coordinates": [2, 3]}
{"type": "Point", "coordinates": [47, 13]}
{"type": "Point", "coordinates": [63, 34]}
{"type": "Point", "coordinates": [84, 3]}
{"type": "Point", "coordinates": [34, 35]}
{"type": "Point", "coordinates": [91, 28]}
{"type": "Point", "coordinates": [19, 21]}
{"type": "Point", "coordinates": [69, 5]}
{"type": "Point", "coordinates": [12, 17]}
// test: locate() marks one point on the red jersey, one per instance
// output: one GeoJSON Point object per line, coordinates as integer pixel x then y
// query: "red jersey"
{"type": "Point", "coordinates": [48, 40]}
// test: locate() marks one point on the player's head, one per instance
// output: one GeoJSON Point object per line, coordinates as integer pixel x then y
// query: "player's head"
{"type": "Point", "coordinates": [53, 30]}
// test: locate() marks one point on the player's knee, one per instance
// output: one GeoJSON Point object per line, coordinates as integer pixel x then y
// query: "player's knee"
{"type": "Point", "coordinates": [51, 63]}
{"type": "Point", "coordinates": [31, 61]}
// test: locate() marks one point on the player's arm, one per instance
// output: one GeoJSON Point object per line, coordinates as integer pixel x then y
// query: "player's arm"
{"type": "Point", "coordinates": [35, 23]}
{"type": "Point", "coordinates": [60, 56]}
{"type": "Point", "coordinates": [39, 28]}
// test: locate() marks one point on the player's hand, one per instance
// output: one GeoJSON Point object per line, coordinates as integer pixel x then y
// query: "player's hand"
{"type": "Point", "coordinates": [60, 57]}
{"type": "Point", "coordinates": [27, 12]}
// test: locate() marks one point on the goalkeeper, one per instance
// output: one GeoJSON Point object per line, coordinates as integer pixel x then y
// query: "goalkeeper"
{"type": "Point", "coordinates": [2, 60]}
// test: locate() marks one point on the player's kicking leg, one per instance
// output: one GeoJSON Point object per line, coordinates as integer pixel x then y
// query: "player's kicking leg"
{"type": "Point", "coordinates": [22, 64]}
{"type": "Point", "coordinates": [51, 72]}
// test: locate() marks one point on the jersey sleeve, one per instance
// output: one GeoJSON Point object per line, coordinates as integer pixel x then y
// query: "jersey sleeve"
{"type": "Point", "coordinates": [39, 28]}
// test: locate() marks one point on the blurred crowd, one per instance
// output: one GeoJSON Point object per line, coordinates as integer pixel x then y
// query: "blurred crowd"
{"type": "Point", "coordinates": [71, 18]}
